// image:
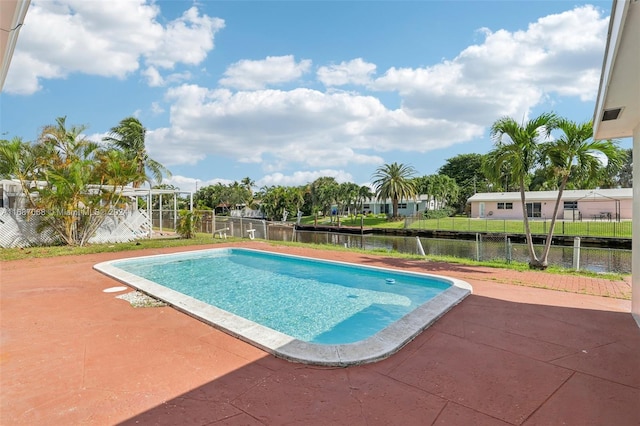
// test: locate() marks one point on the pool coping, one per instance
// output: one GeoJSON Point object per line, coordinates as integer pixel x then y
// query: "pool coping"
{"type": "Point", "coordinates": [375, 348]}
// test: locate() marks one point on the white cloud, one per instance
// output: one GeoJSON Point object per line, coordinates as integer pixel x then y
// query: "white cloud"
{"type": "Point", "coordinates": [156, 108]}
{"type": "Point", "coordinates": [510, 72]}
{"type": "Point", "coordinates": [303, 177]}
{"type": "Point", "coordinates": [154, 79]}
{"type": "Point", "coordinates": [108, 39]}
{"type": "Point", "coordinates": [306, 127]}
{"type": "Point", "coordinates": [251, 75]}
{"type": "Point", "coordinates": [186, 40]}
{"type": "Point", "coordinates": [356, 71]}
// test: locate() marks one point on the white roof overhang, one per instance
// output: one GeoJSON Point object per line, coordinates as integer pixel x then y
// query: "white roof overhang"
{"type": "Point", "coordinates": [620, 79]}
{"type": "Point", "coordinates": [12, 13]}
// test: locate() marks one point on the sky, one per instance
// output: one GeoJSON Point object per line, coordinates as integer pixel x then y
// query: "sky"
{"type": "Point", "coordinates": [285, 92]}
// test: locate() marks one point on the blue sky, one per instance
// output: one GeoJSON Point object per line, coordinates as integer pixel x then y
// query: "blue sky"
{"type": "Point", "coordinates": [286, 92]}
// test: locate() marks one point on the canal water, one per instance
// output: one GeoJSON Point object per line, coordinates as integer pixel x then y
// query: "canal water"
{"type": "Point", "coordinates": [483, 249]}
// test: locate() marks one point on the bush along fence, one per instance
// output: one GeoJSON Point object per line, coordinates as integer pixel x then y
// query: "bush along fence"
{"type": "Point", "coordinates": [19, 228]}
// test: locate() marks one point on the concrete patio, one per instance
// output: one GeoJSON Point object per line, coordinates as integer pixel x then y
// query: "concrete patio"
{"type": "Point", "coordinates": [510, 354]}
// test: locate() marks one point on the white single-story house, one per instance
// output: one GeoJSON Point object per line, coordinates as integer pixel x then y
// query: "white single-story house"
{"type": "Point", "coordinates": [591, 204]}
{"type": "Point", "coordinates": [408, 207]}
{"type": "Point", "coordinates": [617, 110]}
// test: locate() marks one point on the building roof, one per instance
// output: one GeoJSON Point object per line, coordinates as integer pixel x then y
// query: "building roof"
{"type": "Point", "coordinates": [567, 195]}
{"type": "Point", "coordinates": [12, 13]}
{"type": "Point", "coordinates": [617, 110]}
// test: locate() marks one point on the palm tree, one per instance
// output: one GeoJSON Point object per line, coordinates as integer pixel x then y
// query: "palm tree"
{"type": "Point", "coordinates": [364, 193]}
{"type": "Point", "coordinates": [248, 185]}
{"type": "Point", "coordinates": [82, 181]}
{"type": "Point", "coordinates": [129, 136]}
{"type": "Point", "coordinates": [394, 181]}
{"type": "Point", "coordinates": [18, 161]}
{"type": "Point", "coordinates": [516, 155]}
{"type": "Point", "coordinates": [575, 154]}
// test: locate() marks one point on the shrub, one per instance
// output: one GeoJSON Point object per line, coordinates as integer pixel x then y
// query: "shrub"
{"type": "Point", "coordinates": [440, 213]}
{"type": "Point", "coordinates": [187, 223]}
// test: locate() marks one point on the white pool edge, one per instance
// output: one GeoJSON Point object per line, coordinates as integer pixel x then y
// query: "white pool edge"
{"type": "Point", "coordinates": [377, 347]}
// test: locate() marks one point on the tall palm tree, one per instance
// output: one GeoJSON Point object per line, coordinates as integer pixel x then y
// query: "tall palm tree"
{"type": "Point", "coordinates": [364, 194]}
{"type": "Point", "coordinates": [394, 181]}
{"type": "Point", "coordinates": [576, 155]}
{"type": "Point", "coordinates": [516, 153]}
{"type": "Point", "coordinates": [129, 136]}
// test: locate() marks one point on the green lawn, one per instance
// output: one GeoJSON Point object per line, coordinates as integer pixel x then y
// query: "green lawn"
{"type": "Point", "coordinates": [379, 221]}
{"type": "Point", "coordinates": [52, 251]}
{"type": "Point", "coordinates": [464, 224]}
{"type": "Point", "coordinates": [583, 229]}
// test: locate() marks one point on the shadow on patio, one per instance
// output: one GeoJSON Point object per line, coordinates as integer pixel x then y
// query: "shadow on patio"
{"type": "Point", "coordinates": [487, 361]}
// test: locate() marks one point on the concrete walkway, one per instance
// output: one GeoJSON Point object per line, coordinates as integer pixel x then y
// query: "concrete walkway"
{"type": "Point", "coordinates": [510, 354]}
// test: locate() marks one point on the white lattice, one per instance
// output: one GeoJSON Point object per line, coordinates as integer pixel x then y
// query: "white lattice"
{"type": "Point", "coordinates": [18, 230]}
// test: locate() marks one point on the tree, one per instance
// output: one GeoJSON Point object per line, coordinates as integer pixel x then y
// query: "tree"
{"type": "Point", "coordinates": [323, 192]}
{"type": "Point", "coordinates": [187, 224]}
{"type": "Point", "coordinates": [618, 175]}
{"type": "Point", "coordinates": [441, 189]}
{"type": "Point", "coordinates": [278, 199]}
{"type": "Point", "coordinates": [625, 174]}
{"type": "Point", "coordinates": [466, 170]}
{"type": "Point", "coordinates": [18, 161]}
{"type": "Point", "coordinates": [575, 154]}
{"type": "Point", "coordinates": [394, 181]}
{"type": "Point", "coordinates": [347, 195]}
{"type": "Point", "coordinates": [515, 154]}
{"type": "Point", "coordinates": [129, 136]}
{"type": "Point", "coordinates": [248, 185]}
{"type": "Point", "coordinates": [364, 194]}
{"type": "Point", "coordinates": [82, 181]}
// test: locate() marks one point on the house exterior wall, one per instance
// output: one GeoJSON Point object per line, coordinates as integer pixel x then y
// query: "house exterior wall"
{"type": "Point", "coordinates": [382, 207]}
{"type": "Point", "coordinates": [587, 209]}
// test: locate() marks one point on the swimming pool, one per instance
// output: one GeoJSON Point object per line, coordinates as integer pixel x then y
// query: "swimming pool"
{"type": "Point", "coordinates": [297, 308]}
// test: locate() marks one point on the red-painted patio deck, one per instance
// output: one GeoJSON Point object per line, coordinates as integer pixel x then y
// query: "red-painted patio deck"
{"type": "Point", "coordinates": [509, 354]}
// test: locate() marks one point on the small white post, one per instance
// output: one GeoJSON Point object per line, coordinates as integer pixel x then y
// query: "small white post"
{"type": "Point", "coordinates": [576, 253]}
{"type": "Point", "coordinates": [419, 244]}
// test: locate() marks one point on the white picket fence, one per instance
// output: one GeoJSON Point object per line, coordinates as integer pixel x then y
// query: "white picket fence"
{"type": "Point", "coordinates": [19, 230]}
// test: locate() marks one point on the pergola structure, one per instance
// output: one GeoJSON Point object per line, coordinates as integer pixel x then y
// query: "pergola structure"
{"type": "Point", "coordinates": [149, 193]}
{"type": "Point", "coordinates": [617, 112]}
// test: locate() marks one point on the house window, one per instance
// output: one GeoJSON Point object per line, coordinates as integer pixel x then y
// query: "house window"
{"type": "Point", "coordinates": [505, 206]}
{"type": "Point", "coordinates": [534, 209]}
{"type": "Point", "coordinates": [366, 206]}
{"type": "Point", "coordinates": [402, 205]}
{"type": "Point", "coordinates": [570, 205]}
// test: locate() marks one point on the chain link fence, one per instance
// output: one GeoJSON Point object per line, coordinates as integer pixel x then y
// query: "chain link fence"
{"type": "Point", "coordinates": [493, 248]}
{"type": "Point", "coordinates": [587, 228]}
{"type": "Point", "coordinates": [486, 247]}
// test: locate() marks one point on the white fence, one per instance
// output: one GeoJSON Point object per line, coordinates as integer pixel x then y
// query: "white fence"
{"type": "Point", "coordinates": [17, 229]}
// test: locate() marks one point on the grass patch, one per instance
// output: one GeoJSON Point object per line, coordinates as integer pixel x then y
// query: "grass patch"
{"type": "Point", "coordinates": [373, 221]}
{"type": "Point", "coordinates": [54, 251]}
{"type": "Point", "coordinates": [606, 229]}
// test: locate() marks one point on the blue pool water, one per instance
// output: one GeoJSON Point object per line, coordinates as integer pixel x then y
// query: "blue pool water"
{"type": "Point", "coordinates": [310, 300]}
